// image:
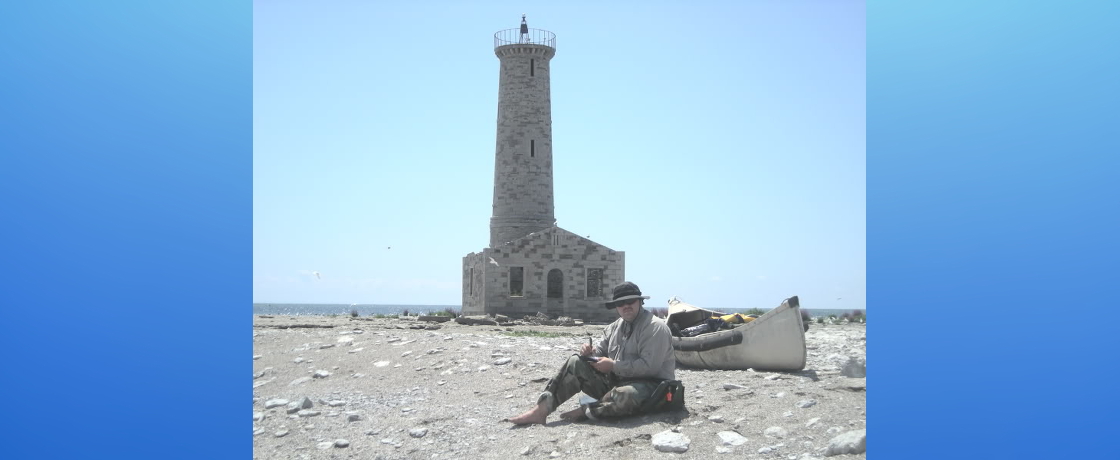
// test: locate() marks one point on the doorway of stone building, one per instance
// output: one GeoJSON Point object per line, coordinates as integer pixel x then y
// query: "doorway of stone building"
{"type": "Point", "coordinates": [555, 293]}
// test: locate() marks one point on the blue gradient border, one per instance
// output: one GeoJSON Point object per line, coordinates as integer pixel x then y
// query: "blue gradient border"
{"type": "Point", "coordinates": [126, 185]}
{"type": "Point", "coordinates": [992, 228]}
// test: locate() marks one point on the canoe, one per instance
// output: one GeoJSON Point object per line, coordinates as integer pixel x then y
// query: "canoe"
{"type": "Point", "coordinates": [774, 341]}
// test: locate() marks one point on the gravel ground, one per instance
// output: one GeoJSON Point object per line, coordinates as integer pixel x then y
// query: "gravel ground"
{"type": "Point", "coordinates": [368, 388]}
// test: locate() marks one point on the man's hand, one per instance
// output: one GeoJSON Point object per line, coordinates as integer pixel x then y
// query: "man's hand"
{"type": "Point", "coordinates": [604, 365]}
{"type": "Point", "coordinates": [585, 350]}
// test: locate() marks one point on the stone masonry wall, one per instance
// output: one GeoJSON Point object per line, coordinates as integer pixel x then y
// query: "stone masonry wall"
{"type": "Point", "coordinates": [474, 289]}
{"type": "Point", "coordinates": [538, 254]}
{"type": "Point", "coordinates": [523, 192]}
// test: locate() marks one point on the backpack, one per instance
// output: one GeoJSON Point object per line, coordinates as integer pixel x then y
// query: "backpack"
{"type": "Point", "coordinates": [668, 396]}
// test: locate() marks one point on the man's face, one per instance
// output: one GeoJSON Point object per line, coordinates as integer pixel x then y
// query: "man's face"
{"type": "Point", "coordinates": [629, 310]}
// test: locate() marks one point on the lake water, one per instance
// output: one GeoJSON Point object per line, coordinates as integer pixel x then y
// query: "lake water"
{"type": "Point", "coordinates": [373, 309]}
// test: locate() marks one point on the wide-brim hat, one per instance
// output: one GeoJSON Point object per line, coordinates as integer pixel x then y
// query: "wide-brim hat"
{"type": "Point", "coordinates": [624, 292]}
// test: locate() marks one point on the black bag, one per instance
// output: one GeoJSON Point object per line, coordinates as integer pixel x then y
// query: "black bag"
{"type": "Point", "coordinates": [668, 396]}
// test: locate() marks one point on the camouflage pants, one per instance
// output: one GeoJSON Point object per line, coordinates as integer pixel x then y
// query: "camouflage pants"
{"type": "Point", "coordinates": [616, 398]}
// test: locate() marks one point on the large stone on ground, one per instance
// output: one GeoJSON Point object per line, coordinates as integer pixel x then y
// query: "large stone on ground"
{"type": "Point", "coordinates": [776, 432]}
{"type": "Point", "coordinates": [852, 442]}
{"type": "Point", "coordinates": [476, 320]}
{"type": "Point", "coordinates": [668, 441]}
{"type": "Point", "coordinates": [275, 403]}
{"type": "Point", "coordinates": [731, 438]}
{"type": "Point", "coordinates": [855, 368]}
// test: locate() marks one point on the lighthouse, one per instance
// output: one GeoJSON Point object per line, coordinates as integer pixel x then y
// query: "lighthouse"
{"type": "Point", "coordinates": [532, 266]}
{"type": "Point", "coordinates": [523, 201]}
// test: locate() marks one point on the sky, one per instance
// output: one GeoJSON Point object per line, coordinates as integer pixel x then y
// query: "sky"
{"type": "Point", "coordinates": [721, 145]}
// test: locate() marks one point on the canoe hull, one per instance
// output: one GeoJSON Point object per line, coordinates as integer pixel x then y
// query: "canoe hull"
{"type": "Point", "coordinates": [774, 341]}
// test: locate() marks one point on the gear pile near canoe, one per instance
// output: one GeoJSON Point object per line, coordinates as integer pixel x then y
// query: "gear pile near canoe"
{"type": "Point", "coordinates": [773, 341]}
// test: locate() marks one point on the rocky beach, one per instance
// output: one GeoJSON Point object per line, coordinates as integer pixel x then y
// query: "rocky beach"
{"type": "Point", "coordinates": [367, 388]}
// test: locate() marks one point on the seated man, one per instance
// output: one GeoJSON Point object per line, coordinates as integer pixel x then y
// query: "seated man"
{"type": "Point", "coordinates": [621, 371]}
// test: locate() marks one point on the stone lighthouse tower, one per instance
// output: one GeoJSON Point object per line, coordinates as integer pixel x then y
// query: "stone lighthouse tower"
{"type": "Point", "coordinates": [523, 163]}
{"type": "Point", "coordinates": [532, 266]}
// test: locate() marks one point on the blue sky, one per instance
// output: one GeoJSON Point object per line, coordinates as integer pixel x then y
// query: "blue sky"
{"type": "Point", "coordinates": [720, 145]}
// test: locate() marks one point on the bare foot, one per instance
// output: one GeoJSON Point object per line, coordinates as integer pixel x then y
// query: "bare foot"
{"type": "Point", "coordinates": [574, 415]}
{"type": "Point", "coordinates": [536, 415]}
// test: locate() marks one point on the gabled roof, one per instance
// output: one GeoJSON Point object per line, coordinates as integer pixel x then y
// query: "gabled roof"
{"type": "Point", "coordinates": [541, 235]}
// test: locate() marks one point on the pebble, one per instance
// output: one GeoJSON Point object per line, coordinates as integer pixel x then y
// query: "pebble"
{"type": "Point", "coordinates": [308, 413]}
{"type": "Point", "coordinates": [325, 346]}
{"type": "Point", "coordinates": [554, 454]}
{"type": "Point", "coordinates": [305, 403]}
{"type": "Point", "coordinates": [298, 360]}
{"type": "Point", "coordinates": [732, 386]}
{"type": "Point", "coordinates": [780, 394]}
{"type": "Point", "coordinates": [353, 417]}
{"type": "Point", "coordinates": [341, 443]}
{"type": "Point", "coordinates": [258, 416]}
{"type": "Point", "coordinates": [255, 357]}
{"type": "Point", "coordinates": [409, 352]}
{"type": "Point", "coordinates": [773, 377]}
{"type": "Point", "coordinates": [527, 450]}
{"type": "Point", "coordinates": [280, 434]}
{"type": "Point", "coordinates": [325, 445]}
{"type": "Point", "coordinates": [806, 403]}
{"type": "Point", "coordinates": [669, 441]}
{"type": "Point", "coordinates": [418, 432]}
{"type": "Point", "coordinates": [483, 368]}
{"type": "Point", "coordinates": [356, 350]}
{"type": "Point", "coordinates": [381, 364]}
{"type": "Point", "coordinates": [258, 431]}
{"type": "Point", "coordinates": [293, 407]}
{"type": "Point", "coordinates": [321, 374]}
{"type": "Point", "coordinates": [336, 403]}
{"type": "Point", "coordinates": [812, 421]}
{"type": "Point", "coordinates": [501, 361]}
{"type": "Point", "coordinates": [723, 450]}
{"type": "Point", "coordinates": [299, 381]}
{"type": "Point", "coordinates": [716, 419]}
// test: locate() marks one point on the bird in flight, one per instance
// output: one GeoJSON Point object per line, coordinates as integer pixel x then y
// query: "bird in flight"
{"type": "Point", "coordinates": [494, 262]}
{"type": "Point", "coordinates": [316, 275]}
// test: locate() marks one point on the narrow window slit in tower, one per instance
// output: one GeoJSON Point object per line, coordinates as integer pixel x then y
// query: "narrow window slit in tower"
{"type": "Point", "coordinates": [532, 148]}
{"type": "Point", "coordinates": [532, 64]}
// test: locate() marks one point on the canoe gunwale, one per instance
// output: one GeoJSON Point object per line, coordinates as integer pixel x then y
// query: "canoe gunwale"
{"type": "Point", "coordinates": [710, 341]}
